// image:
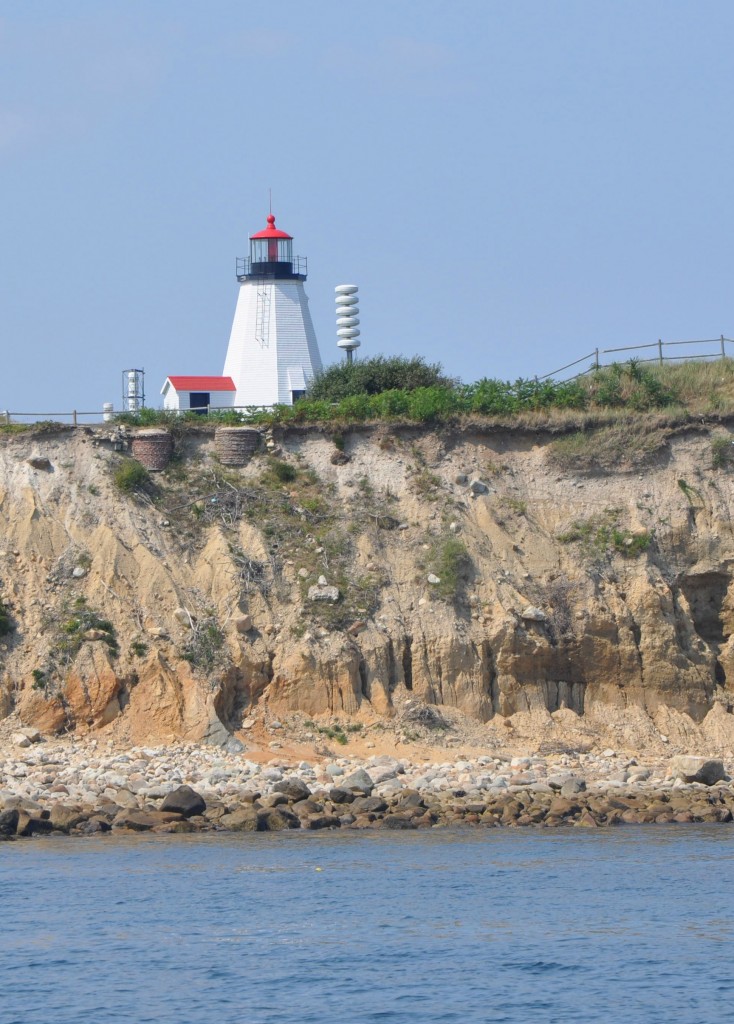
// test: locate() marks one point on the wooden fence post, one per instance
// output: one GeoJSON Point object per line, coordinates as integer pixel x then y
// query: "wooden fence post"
{"type": "Point", "coordinates": [596, 358]}
{"type": "Point", "coordinates": [723, 351]}
{"type": "Point", "coordinates": [660, 351]}
{"type": "Point", "coordinates": [74, 417]}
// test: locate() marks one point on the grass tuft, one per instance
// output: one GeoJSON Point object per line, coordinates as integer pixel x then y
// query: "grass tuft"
{"type": "Point", "coordinates": [722, 452]}
{"type": "Point", "coordinates": [279, 472]}
{"type": "Point", "coordinates": [601, 535]}
{"type": "Point", "coordinates": [131, 476]}
{"type": "Point", "coordinates": [629, 442]}
{"type": "Point", "coordinates": [450, 561]}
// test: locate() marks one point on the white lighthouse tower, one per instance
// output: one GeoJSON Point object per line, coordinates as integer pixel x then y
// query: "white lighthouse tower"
{"type": "Point", "coordinates": [272, 352]}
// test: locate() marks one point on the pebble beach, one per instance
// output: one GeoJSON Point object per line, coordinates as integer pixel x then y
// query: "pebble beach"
{"type": "Point", "coordinates": [77, 788]}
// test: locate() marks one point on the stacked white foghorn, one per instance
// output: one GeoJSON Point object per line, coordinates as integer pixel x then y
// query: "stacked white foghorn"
{"type": "Point", "coordinates": [347, 330]}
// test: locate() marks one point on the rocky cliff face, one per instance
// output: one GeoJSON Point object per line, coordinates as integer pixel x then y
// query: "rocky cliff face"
{"type": "Point", "coordinates": [479, 571]}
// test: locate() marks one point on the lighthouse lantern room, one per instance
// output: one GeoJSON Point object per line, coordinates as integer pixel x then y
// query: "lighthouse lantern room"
{"type": "Point", "coordinates": [272, 352]}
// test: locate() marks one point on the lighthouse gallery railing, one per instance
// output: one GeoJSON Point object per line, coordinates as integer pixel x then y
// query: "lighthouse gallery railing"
{"type": "Point", "coordinates": [245, 265]}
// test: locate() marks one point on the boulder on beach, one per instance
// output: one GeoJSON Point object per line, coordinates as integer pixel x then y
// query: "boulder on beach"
{"type": "Point", "coordinates": [339, 795]}
{"type": "Point", "coordinates": [63, 818]}
{"type": "Point", "coordinates": [243, 819]}
{"type": "Point", "coordinates": [143, 821]}
{"type": "Point", "coordinates": [276, 819]}
{"type": "Point", "coordinates": [697, 769]}
{"type": "Point", "coordinates": [32, 824]}
{"type": "Point", "coordinates": [9, 821]}
{"type": "Point", "coordinates": [184, 800]}
{"type": "Point", "coordinates": [359, 780]}
{"type": "Point", "coordinates": [573, 786]}
{"type": "Point", "coordinates": [368, 805]}
{"type": "Point", "coordinates": [293, 788]}
{"type": "Point", "coordinates": [319, 821]}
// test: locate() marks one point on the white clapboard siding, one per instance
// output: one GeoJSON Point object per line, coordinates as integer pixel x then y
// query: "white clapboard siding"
{"type": "Point", "coordinates": [259, 366]}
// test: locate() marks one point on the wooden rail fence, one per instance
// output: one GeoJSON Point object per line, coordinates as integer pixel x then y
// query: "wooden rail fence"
{"type": "Point", "coordinates": [719, 353]}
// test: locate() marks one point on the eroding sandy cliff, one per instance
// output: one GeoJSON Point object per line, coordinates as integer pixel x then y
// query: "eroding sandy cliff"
{"type": "Point", "coordinates": [586, 607]}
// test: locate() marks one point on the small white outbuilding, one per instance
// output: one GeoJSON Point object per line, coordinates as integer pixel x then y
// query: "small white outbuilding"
{"type": "Point", "coordinates": [198, 394]}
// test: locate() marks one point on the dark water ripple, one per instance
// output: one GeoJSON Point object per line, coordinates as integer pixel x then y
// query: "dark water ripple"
{"type": "Point", "coordinates": [633, 926]}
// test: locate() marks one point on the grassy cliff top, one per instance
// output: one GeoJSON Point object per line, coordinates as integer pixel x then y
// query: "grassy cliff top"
{"type": "Point", "coordinates": [347, 395]}
{"type": "Point", "coordinates": [410, 391]}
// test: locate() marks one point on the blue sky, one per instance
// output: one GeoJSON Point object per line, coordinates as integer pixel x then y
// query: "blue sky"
{"type": "Point", "coordinates": [510, 184]}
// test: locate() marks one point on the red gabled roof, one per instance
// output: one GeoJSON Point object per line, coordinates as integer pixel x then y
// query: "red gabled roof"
{"type": "Point", "coordinates": [271, 231]}
{"type": "Point", "coordinates": [202, 383]}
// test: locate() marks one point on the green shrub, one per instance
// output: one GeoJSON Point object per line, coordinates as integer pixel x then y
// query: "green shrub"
{"type": "Point", "coordinates": [630, 385]}
{"type": "Point", "coordinates": [628, 544]}
{"type": "Point", "coordinates": [304, 411]}
{"type": "Point", "coordinates": [356, 407]}
{"type": "Point", "coordinates": [375, 376]}
{"type": "Point", "coordinates": [334, 732]}
{"type": "Point", "coordinates": [37, 427]}
{"type": "Point", "coordinates": [491, 397]}
{"type": "Point", "coordinates": [146, 418]}
{"type": "Point", "coordinates": [227, 417]}
{"type": "Point", "coordinates": [393, 404]}
{"type": "Point", "coordinates": [131, 476]}
{"type": "Point", "coordinates": [205, 645]}
{"type": "Point", "coordinates": [435, 403]}
{"type": "Point", "coordinates": [499, 397]}
{"type": "Point", "coordinates": [40, 679]}
{"type": "Point", "coordinates": [70, 626]}
{"type": "Point", "coordinates": [176, 422]}
{"type": "Point", "coordinates": [15, 428]}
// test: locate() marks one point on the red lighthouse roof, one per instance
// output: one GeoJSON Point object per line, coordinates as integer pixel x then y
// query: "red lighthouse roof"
{"type": "Point", "coordinates": [271, 231]}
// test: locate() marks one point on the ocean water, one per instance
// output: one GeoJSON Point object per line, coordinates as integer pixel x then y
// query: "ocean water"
{"type": "Point", "coordinates": [626, 925]}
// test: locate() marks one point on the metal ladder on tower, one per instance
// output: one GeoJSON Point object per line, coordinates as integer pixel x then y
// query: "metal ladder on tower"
{"type": "Point", "coordinates": [262, 314]}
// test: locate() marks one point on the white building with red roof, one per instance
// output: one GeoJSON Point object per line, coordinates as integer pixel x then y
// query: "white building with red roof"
{"type": "Point", "coordinates": [198, 393]}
